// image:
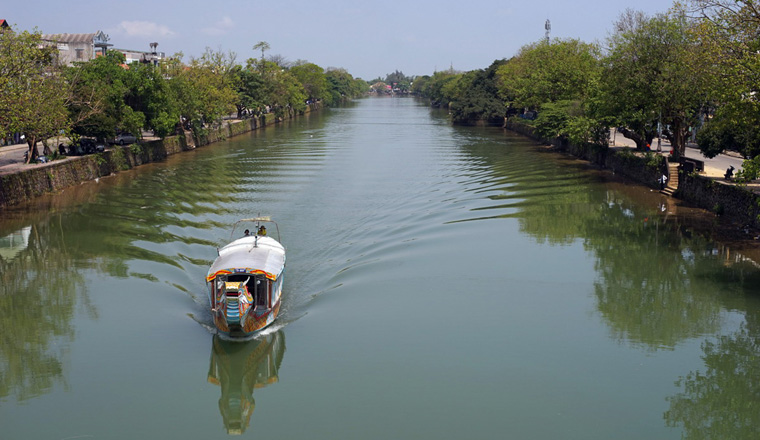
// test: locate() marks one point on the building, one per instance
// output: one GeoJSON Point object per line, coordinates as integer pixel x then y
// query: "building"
{"type": "Point", "coordinates": [138, 56]}
{"type": "Point", "coordinates": [78, 47]}
{"type": "Point", "coordinates": [74, 48]}
{"type": "Point", "coordinates": [4, 26]}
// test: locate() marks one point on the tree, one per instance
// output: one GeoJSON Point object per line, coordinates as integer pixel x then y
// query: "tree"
{"type": "Point", "coordinates": [721, 401]}
{"type": "Point", "coordinates": [379, 87]}
{"type": "Point", "coordinates": [655, 71]}
{"type": "Point", "coordinates": [101, 84]}
{"type": "Point", "coordinates": [475, 97]}
{"type": "Point", "coordinates": [735, 126]}
{"type": "Point", "coordinates": [312, 77]}
{"type": "Point", "coordinates": [250, 91]}
{"type": "Point", "coordinates": [213, 77]}
{"type": "Point", "coordinates": [287, 93]}
{"type": "Point", "coordinates": [729, 33]}
{"type": "Point", "coordinates": [205, 90]}
{"type": "Point", "coordinates": [557, 77]}
{"type": "Point", "coordinates": [149, 94]}
{"type": "Point", "coordinates": [280, 60]}
{"type": "Point", "coordinates": [263, 46]}
{"type": "Point", "coordinates": [547, 72]}
{"type": "Point", "coordinates": [398, 81]}
{"type": "Point", "coordinates": [437, 88]}
{"type": "Point", "coordinates": [732, 28]}
{"type": "Point", "coordinates": [342, 86]}
{"type": "Point", "coordinates": [33, 93]}
{"type": "Point", "coordinates": [281, 90]}
{"type": "Point", "coordinates": [420, 85]}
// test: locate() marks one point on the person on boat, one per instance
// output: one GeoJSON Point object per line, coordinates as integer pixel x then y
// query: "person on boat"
{"type": "Point", "coordinates": [247, 232]}
{"type": "Point", "coordinates": [262, 230]}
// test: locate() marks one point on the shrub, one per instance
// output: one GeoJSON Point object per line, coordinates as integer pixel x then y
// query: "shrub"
{"type": "Point", "coordinates": [654, 161]}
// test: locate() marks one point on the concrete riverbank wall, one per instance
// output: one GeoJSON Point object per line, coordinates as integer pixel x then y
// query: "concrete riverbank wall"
{"type": "Point", "coordinates": [57, 175]}
{"type": "Point", "coordinates": [733, 201]}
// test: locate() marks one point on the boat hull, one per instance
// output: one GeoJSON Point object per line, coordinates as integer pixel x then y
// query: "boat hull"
{"type": "Point", "coordinates": [247, 326]}
{"type": "Point", "coordinates": [245, 285]}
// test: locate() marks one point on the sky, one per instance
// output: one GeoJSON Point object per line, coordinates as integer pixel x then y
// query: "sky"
{"type": "Point", "coordinates": [368, 39]}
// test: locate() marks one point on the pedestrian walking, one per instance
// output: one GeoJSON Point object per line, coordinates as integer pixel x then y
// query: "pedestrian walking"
{"type": "Point", "coordinates": [729, 172]}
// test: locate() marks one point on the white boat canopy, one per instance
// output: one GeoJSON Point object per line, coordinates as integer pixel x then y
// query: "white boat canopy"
{"type": "Point", "coordinates": [252, 254]}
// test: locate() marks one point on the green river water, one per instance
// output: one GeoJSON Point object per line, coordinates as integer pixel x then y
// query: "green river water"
{"type": "Point", "coordinates": [442, 283]}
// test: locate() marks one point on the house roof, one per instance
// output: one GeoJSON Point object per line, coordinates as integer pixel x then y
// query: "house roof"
{"type": "Point", "coordinates": [69, 38]}
{"type": "Point", "coordinates": [4, 24]}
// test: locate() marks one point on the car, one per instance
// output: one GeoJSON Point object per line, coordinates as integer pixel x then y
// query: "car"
{"type": "Point", "coordinates": [124, 139]}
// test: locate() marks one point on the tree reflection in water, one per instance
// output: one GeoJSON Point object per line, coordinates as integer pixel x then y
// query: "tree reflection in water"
{"type": "Point", "coordinates": [724, 401]}
{"type": "Point", "coordinates": [660, 282]}
{"type": "Point", "coordinates": [38, 298]}
{"type": "Point", "coordinates": [239, 367]}
{"type": "Point", "coordinates": [98, 228]}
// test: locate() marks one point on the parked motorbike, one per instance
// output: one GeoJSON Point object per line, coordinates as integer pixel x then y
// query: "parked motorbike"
{"type": "Point", "coordinates": [40, 159]}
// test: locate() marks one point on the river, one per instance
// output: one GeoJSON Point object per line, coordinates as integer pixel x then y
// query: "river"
{"type": "Point", "coordinates": [442, 282]}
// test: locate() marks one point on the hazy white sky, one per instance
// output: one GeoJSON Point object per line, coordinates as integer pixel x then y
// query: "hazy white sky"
{"type": "Point", "coordinates": [369, 39]}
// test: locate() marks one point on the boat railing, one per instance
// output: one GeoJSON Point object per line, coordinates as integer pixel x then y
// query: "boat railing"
{"type": "Point", "coordinates": [258, 222]}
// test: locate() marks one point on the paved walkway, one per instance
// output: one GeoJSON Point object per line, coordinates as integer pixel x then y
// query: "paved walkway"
{"type": "Point", "coordinates": [715, 168]}
{"type": "Point", "coordinates": [12, 158]}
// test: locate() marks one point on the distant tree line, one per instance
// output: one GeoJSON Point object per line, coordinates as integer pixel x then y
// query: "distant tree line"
{"type": "Point", "coordinates": [394, 83]}
{"type": "Point", "coordinates": [101, 97]}
{"type": "Point", "coordinates": [693, 68]}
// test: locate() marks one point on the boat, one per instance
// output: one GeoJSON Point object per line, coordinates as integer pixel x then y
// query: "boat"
{"type": "Point", "coordinates": [245, 281]}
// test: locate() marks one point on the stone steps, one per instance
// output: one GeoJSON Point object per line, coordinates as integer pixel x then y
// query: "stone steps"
{"type": "Point", "coordinates": [672, 185]}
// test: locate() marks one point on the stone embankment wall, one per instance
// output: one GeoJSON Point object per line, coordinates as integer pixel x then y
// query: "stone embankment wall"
{"type": "Point", "coordinates": [57, 175]}
{"type": "Point", "coordinates": [733, 201]}
{"type": "Point", "coordinates": [625, 163]}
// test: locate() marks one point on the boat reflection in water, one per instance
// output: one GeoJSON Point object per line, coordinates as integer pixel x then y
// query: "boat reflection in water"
{"type": "Point", "coordinates": [239, 367]}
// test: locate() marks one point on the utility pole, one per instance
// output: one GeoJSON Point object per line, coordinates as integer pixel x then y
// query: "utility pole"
{"type": "Point", "coordinates": [659, 132]}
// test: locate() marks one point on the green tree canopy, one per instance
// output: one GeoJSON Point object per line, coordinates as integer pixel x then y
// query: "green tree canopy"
{"type": "Point", "coordinates": [312, 78]}
{"type": "Point", "coordinates": [420, 85]}
{"type": "Point", "coordinates": [436, 87]}
{"type": "Point", "coordinates": [102, 83]}
{"type": "Point", "coordinates": [729, 36]}
{"type": "Point", "coordinates": [205, 90]}
{"type": "Point", "coordinates": [655, 71]}
{"type": "Point", "coordinates": [33, 93]}
{"type": "Point", "coordinates": [475, 97]}
{"type": "Point", "coordinates": [343, 86]}
{"type": "Point", "coordinates": [399, 81]}
{"type": "Point", "coordinates": [549, 71]}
